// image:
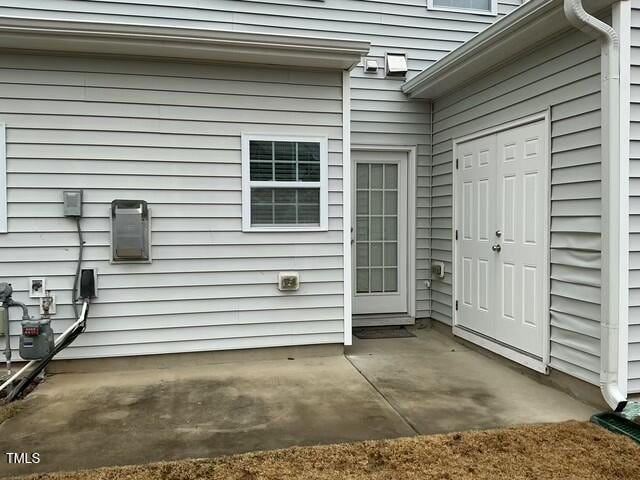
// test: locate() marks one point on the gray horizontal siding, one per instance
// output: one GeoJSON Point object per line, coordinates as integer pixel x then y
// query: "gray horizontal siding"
{"type": "Point", "coordinates": [563, 76]}
{"type": "Point", "coordinates": [168, 134]}
{"type": "Point", "coordinates": [381, 114]}
{"type": "Point", "coordinates": [634, 205]}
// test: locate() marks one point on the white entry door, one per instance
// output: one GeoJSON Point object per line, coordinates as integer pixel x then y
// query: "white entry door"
{"type": "Point", "coordinates": [379, 239]}
{"type": "Point", "coordinates": [501, 212]}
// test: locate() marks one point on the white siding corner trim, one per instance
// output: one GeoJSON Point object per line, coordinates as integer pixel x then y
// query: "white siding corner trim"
{"type": "Point", "coordinates": [346, 204]}
{"type": "Point", "coordinates": [3, 179]}
{"type": "Point", "coordinates": [247, 184]}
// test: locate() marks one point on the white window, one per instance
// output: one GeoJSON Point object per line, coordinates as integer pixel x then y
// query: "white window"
{"type": "Point", "coordinates": [284, 183]}
{"type": "Point", "coordinates": [484, 7]}
{"type": "Point", "coordinates": [3, 180]}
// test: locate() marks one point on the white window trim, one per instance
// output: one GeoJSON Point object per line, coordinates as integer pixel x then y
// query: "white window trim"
{"type": "Point", "coordinates": [493, 12]}
{"type": "Point", "coordinates": [4, 221]}
{"type": "Point", "coordinates": [322, 184]}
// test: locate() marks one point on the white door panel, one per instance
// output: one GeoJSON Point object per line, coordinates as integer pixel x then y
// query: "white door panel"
{"type": "Point", "coordinates": [476, 209]}
{"type": "Point", "coordinates": [521, 170]}
{"type": "Point", "coordinates": [501, 210]}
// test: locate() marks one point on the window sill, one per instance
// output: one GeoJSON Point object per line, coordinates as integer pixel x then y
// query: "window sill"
{"type": "Point", "coordinates": [284, 229]}
{"type": "Point", "coordinates": [464, 10]}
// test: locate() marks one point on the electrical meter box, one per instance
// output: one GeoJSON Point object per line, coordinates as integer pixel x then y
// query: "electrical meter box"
{"type": "Point", "coordinates": [36, 341]}
{"type": "Point", "coordinates": [130, 231]}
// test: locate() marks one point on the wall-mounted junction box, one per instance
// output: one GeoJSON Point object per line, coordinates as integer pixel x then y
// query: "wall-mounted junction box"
{"type": "Point", "coordinates": [288, 281]}
{"type": "Point", "coordinates": [130, 231]}
{"type": "Point", "coordinates": [37, 287]}
{"type": "Point", "coordinates": [437, 269]}
{"type": "Point", "coordinates": [72, 203]}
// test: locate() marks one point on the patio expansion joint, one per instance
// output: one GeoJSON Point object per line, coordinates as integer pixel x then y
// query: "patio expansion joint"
{"type": "Point", "coordinates": [385, 400]}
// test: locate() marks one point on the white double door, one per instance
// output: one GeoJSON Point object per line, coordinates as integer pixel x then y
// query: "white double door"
{"type": "Point", "coordinates": [501, 212]}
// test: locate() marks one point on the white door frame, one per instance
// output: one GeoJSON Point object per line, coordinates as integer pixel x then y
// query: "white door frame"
{"type": "Point", "coordinates": [411, 152]}
{"type": "Point", "coordinates": [489, 344]}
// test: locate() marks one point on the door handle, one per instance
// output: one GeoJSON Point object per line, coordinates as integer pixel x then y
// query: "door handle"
{"type": "Point", "coordinates": [497, 247]}
{"type": "Point", "coordinates": [498, 233]}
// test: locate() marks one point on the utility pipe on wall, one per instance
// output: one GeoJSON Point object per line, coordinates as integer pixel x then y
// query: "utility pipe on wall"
{"type": "Point", "coordinates": [613, 387]}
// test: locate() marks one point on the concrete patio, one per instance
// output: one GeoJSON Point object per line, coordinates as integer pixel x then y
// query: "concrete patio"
{"type": "Point", "coordinates": [382, 389]}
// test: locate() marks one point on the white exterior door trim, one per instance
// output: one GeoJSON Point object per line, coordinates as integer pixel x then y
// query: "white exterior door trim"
{"type": "Point", "coordinates": [411, 152]}
{"type": "Point", "coordinates": [494, 346]}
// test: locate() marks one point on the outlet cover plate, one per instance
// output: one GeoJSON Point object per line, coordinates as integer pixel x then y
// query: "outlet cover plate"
{"type": "Point", "coordinates": [37, 287]}
{"type": "Point", "coordinates": [52, 307]}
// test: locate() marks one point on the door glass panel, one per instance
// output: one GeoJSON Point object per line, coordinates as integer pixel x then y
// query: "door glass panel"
{"type": "Point", "coordinates": [376, 280]}
{"type": "Point", "coordinates": [362, 176]}
{"type": "Point", "coordinates": [362, 280]}
{"type": "Point", "coordinates": [391, 176]}
{"type": "Point", "coordinates": [362, 254]}
{"type": "Point", "coordinates": [362, 228]}
{"type": "Point", "coordinates": [376, 202]}
{"type": "Point", "coordinates": [362, 203]}
{"type": "Point", "coordinates": [390, 254]}
{"type": "Point", "coordinates": [376, 175]}
{"type": "Point", "coordinates": [390, 279]}
{"type": "Point", "coordinates": [376, 254]}
{"type": "Point", "coordinates": [376, 228]}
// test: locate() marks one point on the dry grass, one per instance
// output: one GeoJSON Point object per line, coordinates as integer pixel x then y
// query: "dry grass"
{"type": "Point", "coordinates": [568, 451]}
{"type": "Point", "coordinates": [9, 410]}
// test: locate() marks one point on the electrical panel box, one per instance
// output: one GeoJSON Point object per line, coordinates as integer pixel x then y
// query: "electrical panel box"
{"type": "Point", "coordinates": [130, 231]}
{"type": "Point", "coordinates": [72, 201]}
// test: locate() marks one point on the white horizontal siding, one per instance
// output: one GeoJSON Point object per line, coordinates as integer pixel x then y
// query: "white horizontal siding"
{"type": "Point", "coordinates": [381, 114]}
{"type": "Point", "coordinates": [565, 77]}
{"type": "Point", "coordinates": [634, 204]}
{"type": "Point", "coordinates": [165, 133]}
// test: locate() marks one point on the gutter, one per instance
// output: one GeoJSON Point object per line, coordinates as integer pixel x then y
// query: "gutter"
{"type": "Point", "coordinates": [23, 33]}
{"type": "Point", "coordinates": [614, 333]}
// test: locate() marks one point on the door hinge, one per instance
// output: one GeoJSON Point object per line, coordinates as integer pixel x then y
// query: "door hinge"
{"type": "Point", "coordinates": [456, 164]}
{"type": "Point", "coordinates": [456, 305]}
{"type": "Point", "coordinates": [456, 234]}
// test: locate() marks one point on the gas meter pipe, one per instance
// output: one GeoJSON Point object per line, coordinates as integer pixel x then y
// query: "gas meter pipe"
{"type": "Point", "coordinates": [59, 342]}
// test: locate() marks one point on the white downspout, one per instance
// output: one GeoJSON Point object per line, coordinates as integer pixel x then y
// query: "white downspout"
{"type": "Point", "coordinates": [613, 387]}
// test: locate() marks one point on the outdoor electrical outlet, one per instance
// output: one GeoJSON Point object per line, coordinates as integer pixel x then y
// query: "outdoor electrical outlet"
{"type": "Point", "coordinates": [37, 287]}
{"type": "Point", "coordinates": [52, 304]}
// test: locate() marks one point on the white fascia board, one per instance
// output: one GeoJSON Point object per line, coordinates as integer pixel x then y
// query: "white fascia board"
{"type": "Point", "coordinates": [534, 22]}
{"type": "Point", "coordinates": [21, 33]}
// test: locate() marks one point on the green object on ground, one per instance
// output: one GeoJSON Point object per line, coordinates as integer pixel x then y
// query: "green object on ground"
{"type": "Point", "coordinates": [624, 423]}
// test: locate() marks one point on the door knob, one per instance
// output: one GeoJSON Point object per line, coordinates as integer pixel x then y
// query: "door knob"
{"type": "Point", "coordinates": [497, 247]}
{"type": "Point", "coordinates": [498, 233]}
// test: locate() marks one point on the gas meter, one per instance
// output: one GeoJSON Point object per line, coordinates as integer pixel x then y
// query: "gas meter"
{"type": "Point", "coordinates": [36, 341]}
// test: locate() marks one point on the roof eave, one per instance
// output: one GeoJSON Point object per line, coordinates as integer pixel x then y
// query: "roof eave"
{"type": "Point", "coordinates": [19, 33]}
{"type": "Point", "coordinates": [534, 22]}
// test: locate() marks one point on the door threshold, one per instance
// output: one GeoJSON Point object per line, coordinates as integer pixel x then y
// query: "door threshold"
{"type": "Point", "coordinates": [495, 347]}
{"type": "Point", "coordinates": [382, 320]}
